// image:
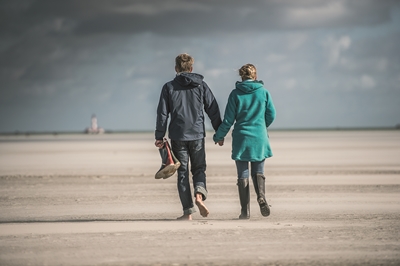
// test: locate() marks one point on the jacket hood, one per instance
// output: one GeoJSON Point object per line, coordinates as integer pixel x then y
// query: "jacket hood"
{"type": "Point", "coordinates": [249, 86]}
{"type": "Point", "coordinates": [189, 80]}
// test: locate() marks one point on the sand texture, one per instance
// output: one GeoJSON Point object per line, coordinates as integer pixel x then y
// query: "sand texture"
{"type": "Point", "coordinates": [93, 200]}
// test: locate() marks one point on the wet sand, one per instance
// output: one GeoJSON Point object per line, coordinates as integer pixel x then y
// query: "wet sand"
{"type": "Point", "coordinates": [93, 200]}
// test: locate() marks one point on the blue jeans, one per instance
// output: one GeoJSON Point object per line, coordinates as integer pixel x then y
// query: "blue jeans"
{"type": "Point", "coordinates": [242, 168]}
{"type": "Point", "coordinates": [195, 151]}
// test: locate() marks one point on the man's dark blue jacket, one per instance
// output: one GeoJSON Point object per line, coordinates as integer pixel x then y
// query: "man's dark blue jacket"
{"type": "Point", "coordinates": [185, 98]}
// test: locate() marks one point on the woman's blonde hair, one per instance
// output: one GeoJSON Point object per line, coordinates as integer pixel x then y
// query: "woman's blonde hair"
{"type": "Point", "coordinates": [248, 71]}
{"type": "Point", "coordinates": [183, 63]}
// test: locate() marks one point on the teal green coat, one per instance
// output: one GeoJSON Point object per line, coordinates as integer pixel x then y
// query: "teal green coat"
{"type": "Point", "coordinates": [251, 108]}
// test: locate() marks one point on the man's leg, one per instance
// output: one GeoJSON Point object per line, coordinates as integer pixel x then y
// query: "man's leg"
{"type": "Point", "coordinates": [181, 153]}
{"type": "Point", "coordinates": [198, 169]}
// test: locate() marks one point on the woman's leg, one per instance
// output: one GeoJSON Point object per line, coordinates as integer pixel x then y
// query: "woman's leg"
{"type": "Point", "coordinates": [257, 174]}
{"type": "Point", "coordinates": [243, 188]}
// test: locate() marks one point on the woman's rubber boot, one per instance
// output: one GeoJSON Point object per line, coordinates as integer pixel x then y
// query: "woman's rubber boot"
{"type": "Point", "coordinates": [244, 196]}
{"type": "Point", "coordinates": [259, 186]}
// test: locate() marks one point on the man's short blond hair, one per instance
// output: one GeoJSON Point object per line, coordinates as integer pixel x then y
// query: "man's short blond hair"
{"type": "Point", "coordinates": [184, 63]}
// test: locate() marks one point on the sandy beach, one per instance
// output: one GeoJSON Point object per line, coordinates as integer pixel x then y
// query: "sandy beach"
{"type": "Point", "coordinates": [93, 200]}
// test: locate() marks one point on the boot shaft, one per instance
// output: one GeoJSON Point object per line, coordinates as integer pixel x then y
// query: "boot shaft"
{"type": "Point", "coordinates": [259, 185]}
{"type": "Point", "coordinates": [244, 197]}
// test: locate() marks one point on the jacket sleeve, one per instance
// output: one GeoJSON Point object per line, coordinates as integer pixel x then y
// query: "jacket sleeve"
{"type": "Point", "coordinates": [211, 107]}
{"type": "Point", "coordinates": [270, 112]}
{"type": "Point", "coordinates": [229, 119]}
{"type": "Point", "coordinates": [163, 111]}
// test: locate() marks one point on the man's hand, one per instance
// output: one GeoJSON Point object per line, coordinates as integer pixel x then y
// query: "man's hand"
{"type": "Point", "coordinates": [159, 143]}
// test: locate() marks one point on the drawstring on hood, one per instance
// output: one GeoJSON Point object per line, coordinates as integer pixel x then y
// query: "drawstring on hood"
{"type": "Point", "coordinates": [249, 86]}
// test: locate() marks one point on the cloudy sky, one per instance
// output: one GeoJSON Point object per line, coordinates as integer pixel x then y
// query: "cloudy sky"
{"type": "Point", "coordinates": [327, 63]}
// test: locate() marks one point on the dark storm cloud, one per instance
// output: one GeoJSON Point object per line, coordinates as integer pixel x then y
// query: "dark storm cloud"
{"type": "Point", "coordinates": [179, 17]}
{"type": "Point", "coordinates": [62, 60]}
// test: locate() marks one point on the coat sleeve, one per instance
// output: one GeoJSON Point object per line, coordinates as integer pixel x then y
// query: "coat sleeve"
{"type": "Point", "coordinates": [163, 111]}
{"type": "Point", "coordinates": [229, 119]}
{"type": "Point", "coordinates": [270, 112]}
{"type": "Point", "coordinates": [211, 107]}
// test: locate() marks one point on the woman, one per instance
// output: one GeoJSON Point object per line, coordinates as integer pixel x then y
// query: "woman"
{"type": "Point", "coordinates": [251, 108]}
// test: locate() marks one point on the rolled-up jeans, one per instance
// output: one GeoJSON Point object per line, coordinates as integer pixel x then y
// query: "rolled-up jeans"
{"type": "Point", "coordinates": [242, 168]}
{"type": "Point", "coordinates": [195, 152]}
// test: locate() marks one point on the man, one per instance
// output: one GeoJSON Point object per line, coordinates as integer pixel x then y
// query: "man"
{"type": "Point", "coordinates": [184, 99]}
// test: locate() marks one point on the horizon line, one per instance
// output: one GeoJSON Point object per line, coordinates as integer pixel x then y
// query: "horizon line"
{"type": "Point", "coordinates": [65, 132]}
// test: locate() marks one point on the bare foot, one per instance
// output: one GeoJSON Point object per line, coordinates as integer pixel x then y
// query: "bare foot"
{"type": "Point", "coordinates": [199, 202]}
{"type": "Point", "coordinates": [187, 217]}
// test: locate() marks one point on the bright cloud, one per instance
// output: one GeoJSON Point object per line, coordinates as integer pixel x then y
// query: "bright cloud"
{"type": "Point", "coordinates": [367, 82]}
{"type": "Point", "coordinates": [322, 13]}
{"type": "Point", "coordinates": [336, 47]}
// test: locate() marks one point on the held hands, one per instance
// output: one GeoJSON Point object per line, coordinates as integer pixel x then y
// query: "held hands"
{"type": "Point", "coordinates": [220, 142]}
{"type": "Point", "coordinates": [160, 143]}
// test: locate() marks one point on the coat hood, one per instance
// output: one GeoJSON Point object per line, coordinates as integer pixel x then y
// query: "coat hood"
{"type": "Point", "coordinates": [249, 86]}
{"type": "Point", "coordinates": [190, 80]}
